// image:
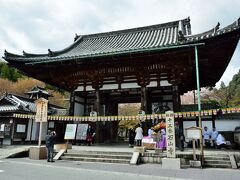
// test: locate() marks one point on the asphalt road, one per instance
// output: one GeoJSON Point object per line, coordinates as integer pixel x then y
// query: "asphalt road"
{"type": "Point", "coordinates": [26, 169]}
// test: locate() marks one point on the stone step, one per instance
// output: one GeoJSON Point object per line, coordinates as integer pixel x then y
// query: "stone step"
{"type": "Point", "coordinates": [106, 156]}
{"type": "Point", "coordinates": [218, 165]}
{"type": "Point", "coordinates": [217, 155]}
{"type": "Point", "coordinates": [71, 158]}
{"type": "Point", "coordinates": [99, 152]}
{"type": "Point", "coordinates": [217, 162]}
{"type": "Point", "coordinates": [220, 158]}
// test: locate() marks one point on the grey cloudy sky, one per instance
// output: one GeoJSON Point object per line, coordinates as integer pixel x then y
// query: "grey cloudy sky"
{"type": "Point", "coordinates": [36, 25]}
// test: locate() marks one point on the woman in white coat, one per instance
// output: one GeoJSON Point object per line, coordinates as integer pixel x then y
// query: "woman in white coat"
{"type": "Point", "coordinates": [139, 135]}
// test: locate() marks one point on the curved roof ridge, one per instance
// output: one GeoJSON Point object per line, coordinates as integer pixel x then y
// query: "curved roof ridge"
{"type": "Point", "coordinates": [137, 29]}
{"type": "Point", "coordinates": [213, 30]}
{"type": "Point", "coordinates": [217, 30]}
{"type": "Point", "coordinates": [54, 53]}
{"type": "Point", "coordinates": [25, 54]}
{"type": "Point", "coordinates": [101, 44]}
{"type": "Point", "coordinates": [8, 54]}
{"type": "Point", "coordinates": [78, 38]}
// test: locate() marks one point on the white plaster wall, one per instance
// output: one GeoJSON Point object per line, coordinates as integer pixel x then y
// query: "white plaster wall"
{"type": "Point", "coordinates": [221, 124]}
{"type": "Point", "coordinates": [208, 124]}
{"type": "Point", "coordinates": [227, 124]}
{"type": "Point", "coordinates": [35, 131]}
{"type": "Point", "coordinates": [124, 86]}
{"type": "Point", "coordinates": [29, 129]}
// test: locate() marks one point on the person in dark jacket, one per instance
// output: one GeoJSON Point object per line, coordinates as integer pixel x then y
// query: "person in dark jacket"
{"type": "Point", "coordinates": [50, 137]}
{"type": "Point", "coordinates": [90, 135]}
{"type": "Point", "coordinates": [131, 137]}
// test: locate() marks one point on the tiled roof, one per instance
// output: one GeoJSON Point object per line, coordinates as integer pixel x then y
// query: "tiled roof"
{"type": "Point", "coordinates": [149, 38]}
{"type": "Point", "coordinates": [8, 108]}
{"type": "Point", "coordinates": [37, 90]}
{"type": "Point", "coordinates": [117, 41]}
{"type": "Point", "coordinates": [19, 103]}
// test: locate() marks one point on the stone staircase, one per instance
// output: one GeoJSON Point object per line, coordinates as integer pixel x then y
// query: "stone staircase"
{"type": "Point", "coordinates": [98, 156]}
{"type": "Point", "coordinates": [217, 161]}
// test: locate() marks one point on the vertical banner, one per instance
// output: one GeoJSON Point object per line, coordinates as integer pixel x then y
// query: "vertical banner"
{"type": "Point", "coordinates": [170, 133]}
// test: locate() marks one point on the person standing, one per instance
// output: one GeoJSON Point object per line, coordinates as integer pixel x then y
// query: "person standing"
{"type": "Point", "coordinates": [139, 135]}
{"type": "Point", "coordinates": [206, 137]}
{"type": "Point", "coordinates": [158, 139]}
{"type": "Point", "coordinates": [50, 137]}
{"type": "Point", "coordinates": [131, 137]}
{"type": "Point", "coordinates": [90, 133]}
{"type": "Point", "coordinates": [150, 132]}
{"type": "Point", "coordinates": [163, 141]}
{"type": "Point", "coordinates": [214, 136]}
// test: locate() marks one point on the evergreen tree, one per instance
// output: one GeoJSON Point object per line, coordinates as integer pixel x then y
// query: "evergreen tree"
{"type": "Point", "coordinates": [9, 73]}
{"type": "Point", "coordinates": [5, 73]}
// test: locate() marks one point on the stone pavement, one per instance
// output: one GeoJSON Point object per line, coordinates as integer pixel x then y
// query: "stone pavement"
{"type": "Point", "coordinates": [25, 168]}
{"type": "Point", "coordinates": [109, 171]}
{"type": "Point", "coordinates": [7, 151]}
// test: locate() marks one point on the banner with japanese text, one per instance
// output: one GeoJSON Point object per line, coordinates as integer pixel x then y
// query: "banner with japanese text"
{"type": "Point", "coordinates": [170, 134]}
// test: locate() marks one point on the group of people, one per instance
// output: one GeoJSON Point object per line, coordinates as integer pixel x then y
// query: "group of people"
{"type": "Point", "coordinates": [213, 138]}
{"type": "Point", "coordinates": [137, 136]}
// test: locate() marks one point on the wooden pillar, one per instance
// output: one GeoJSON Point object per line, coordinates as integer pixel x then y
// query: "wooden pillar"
{"type": "Point", "coordinates": [72, 103]}
{"type": "Point", "coordinates": [143, 81]}
{"type": "Point", "coordinates": [176, 98]}
{"type": "Point", "coordinates": [143, 98]}
{"type": "Point", "coordinates": [213, 121]}
{"type": "Point", "coordinates": [85, 111]}
{"type": "Point", "coordinates": [96, 107]}
{"type": "Point", "coordinates": [112, 109]}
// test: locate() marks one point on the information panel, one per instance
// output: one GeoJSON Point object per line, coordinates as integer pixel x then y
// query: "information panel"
{"type": "Point", "coordinates": [82, 131]}
{"type": "Point", "coordinates": [21, 128]}
{"type": "Point", "coordinates": [70, 131]}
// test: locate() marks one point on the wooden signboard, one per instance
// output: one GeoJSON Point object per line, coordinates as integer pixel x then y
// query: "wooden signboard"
{"type": "Point", "coordinates": [42, 110]}
{"type": "Point", "coordinates": [193, 132]}
{"type": "Point", "coordinates": [41, 115]}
